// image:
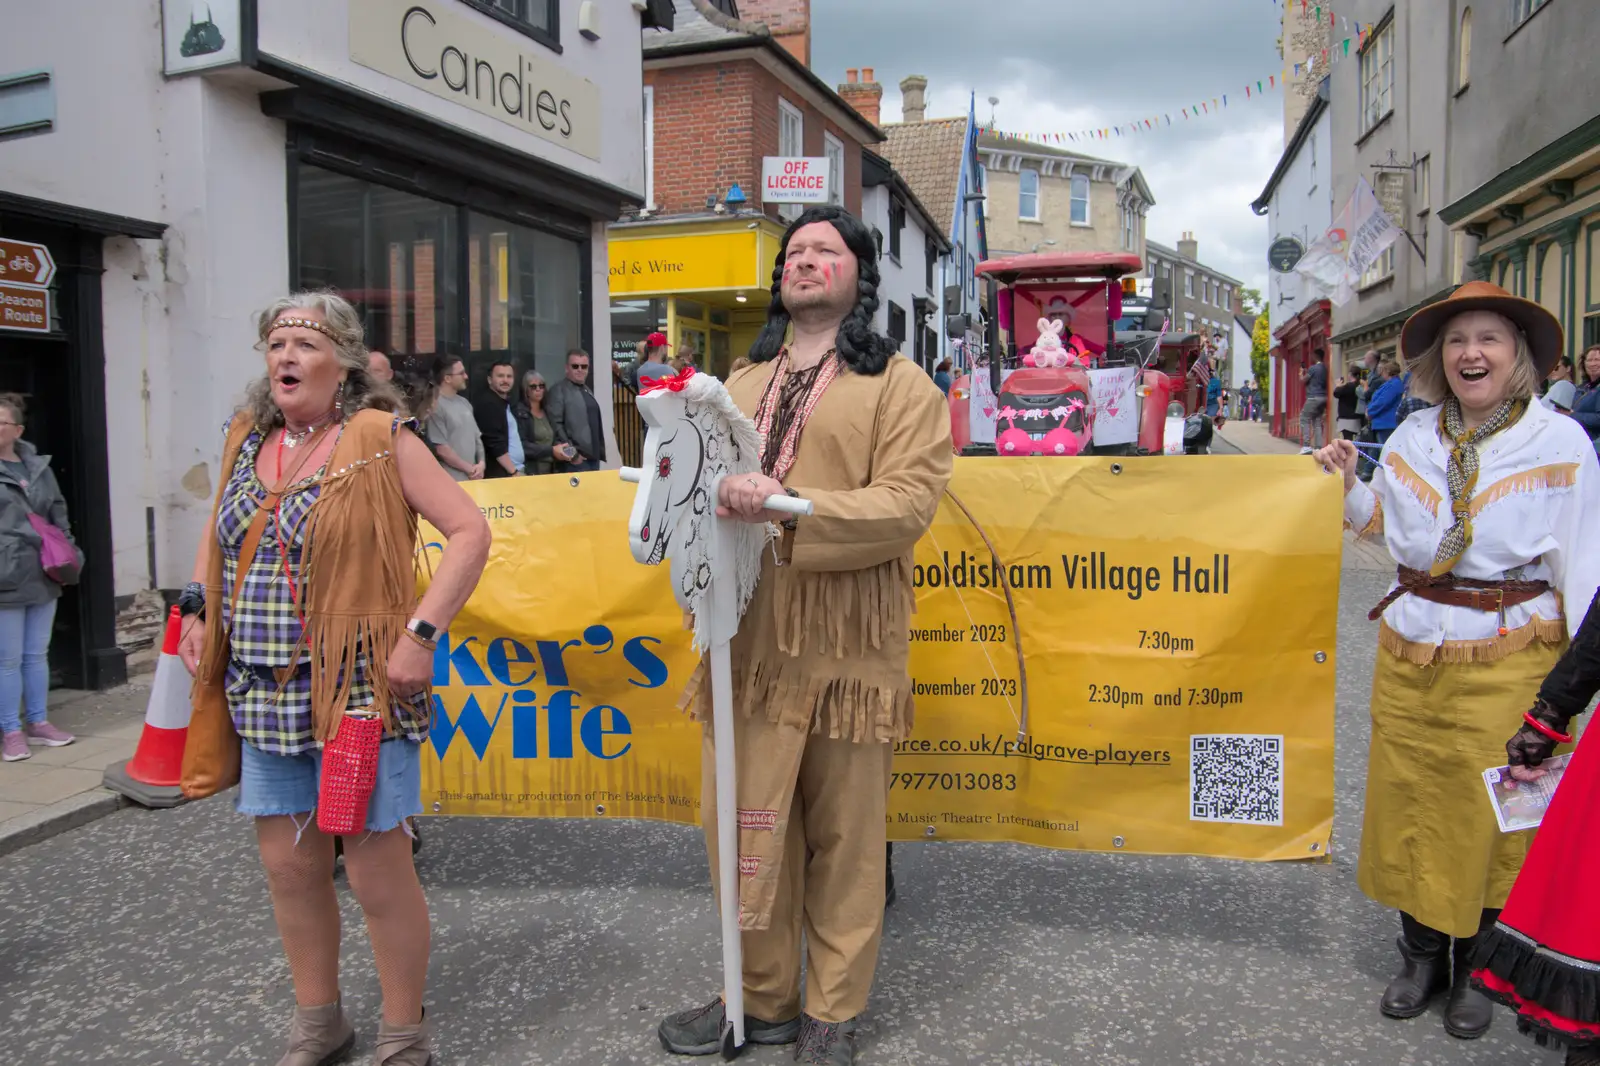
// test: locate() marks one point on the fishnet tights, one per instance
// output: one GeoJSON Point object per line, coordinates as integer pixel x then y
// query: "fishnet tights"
{"type": "Point", "coordinates": [300, 879]}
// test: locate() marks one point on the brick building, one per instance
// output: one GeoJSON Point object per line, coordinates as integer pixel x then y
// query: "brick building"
{"type": "Point", "coordinates": [726, 88]}
{"type": "Point", "coordinates": [1203, 300]}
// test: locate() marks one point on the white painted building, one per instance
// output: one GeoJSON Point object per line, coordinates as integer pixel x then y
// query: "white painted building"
{"type": "Point", "coordinates": [914, 255]}
{"type": "Point", "coordinates": [1298, 203]}
{"type": "Point", "coordinates": [449, 164]}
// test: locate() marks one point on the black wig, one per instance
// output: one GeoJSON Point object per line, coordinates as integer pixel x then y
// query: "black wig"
{"type": "Point", "coordinates": [860, 347]}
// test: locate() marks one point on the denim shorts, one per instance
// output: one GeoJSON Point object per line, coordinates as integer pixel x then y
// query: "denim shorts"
{"type": "Point", "coordinates": [287, 784]}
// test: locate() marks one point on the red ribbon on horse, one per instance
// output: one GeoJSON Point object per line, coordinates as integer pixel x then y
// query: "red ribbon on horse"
{"type": "Point", "coordinates": [675, 383]}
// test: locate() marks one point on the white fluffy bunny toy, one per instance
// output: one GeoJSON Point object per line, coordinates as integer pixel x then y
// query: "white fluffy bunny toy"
{"type": "Point", "coordinates": [1049, 350]}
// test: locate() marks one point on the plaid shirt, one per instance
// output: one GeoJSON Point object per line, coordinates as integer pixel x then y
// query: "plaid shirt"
{"type": "Point", "coordinates": [266, 627]}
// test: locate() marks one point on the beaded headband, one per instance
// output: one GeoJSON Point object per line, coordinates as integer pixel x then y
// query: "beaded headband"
{"type": "Point", "coordinates": [304, 323]}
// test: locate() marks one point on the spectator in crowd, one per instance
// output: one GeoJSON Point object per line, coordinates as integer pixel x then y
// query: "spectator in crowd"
{"type": "Point", "coordinates": [1560, 397]}
{"type": "Point", "coordinates": [539, 442]}
{"type": "Point", "coordinates": [1562, 371]}
{"type": "Point", "coordinates": [452, 429]}
{"type": "Point", "coordinates": [683, 355]}
{"type": "Point", "coordinates": [575, 413]}
{"type": "Point", "coordinates": [502, 443]}
{"type": "Point", "coordinates": [379, 367]}
{"type": "Point", "coordinates": [1313, 412]}
{"type": "Point", "coordinates": [653, 365]}
{"type": "Point", "coordinates": [1383, 410]}
{"type": "Point", "coordinates": [28, 601]}
{"type": "Point", "coordinates": [1347, 394]}
{"type": "Point", "coordinates": [1586, 396]}
{"type": "Point", "coordinates": [941, 376]}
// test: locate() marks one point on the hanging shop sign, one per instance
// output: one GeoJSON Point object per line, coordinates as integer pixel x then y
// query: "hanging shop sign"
{"type": "Point", "coordinates": [1285, 253]}
{"type": "Point", "coordinates": [199, 35]}
{"type": "Point", "coordinates": [794, 179]}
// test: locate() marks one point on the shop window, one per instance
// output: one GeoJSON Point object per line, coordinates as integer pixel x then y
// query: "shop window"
{"type": "Point", "coordinates": [538, 19]}
{"type": "Point", "coordinates": [1028, 195]}
{"type": "Point", "coordinates": [631, 322]}
{"type": "Point", "coordinates": [432, 278]}
{"type": "Point", "coordinates": [1080, 199]}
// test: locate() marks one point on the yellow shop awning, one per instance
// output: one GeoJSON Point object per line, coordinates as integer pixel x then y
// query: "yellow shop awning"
{"type": "Point", "coordinates": [723, 256]}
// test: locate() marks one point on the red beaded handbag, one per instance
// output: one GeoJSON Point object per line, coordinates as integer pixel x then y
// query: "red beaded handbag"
{"type": "Point", "coordinates": [349, 774]}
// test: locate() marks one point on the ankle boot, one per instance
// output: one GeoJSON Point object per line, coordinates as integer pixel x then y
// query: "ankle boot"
{"type": "Point", "coordinates": [404, 1045]}
{"type": "Point", "coordinates": [1468, 1013]}
{"type": "Point", "coordinates": [1424, 973]}
{"type": "Point", "coordinates": [320, 1036]}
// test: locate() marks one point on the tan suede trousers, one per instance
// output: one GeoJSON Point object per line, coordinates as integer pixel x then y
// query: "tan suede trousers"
{"type": "Point", "coordinates": [831, 881]}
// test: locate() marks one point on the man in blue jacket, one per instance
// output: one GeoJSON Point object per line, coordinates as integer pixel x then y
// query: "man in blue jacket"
{"type": "Point", "coordinates": [1383, 409]}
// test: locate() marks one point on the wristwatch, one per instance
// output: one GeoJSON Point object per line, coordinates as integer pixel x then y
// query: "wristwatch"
{"type": "Point", "coordinates": [192, 600]}
{"type": "Point", "coordinates": [424, 631]}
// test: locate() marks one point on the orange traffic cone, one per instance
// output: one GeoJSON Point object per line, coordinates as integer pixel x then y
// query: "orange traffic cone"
{"type": "Point", "coordinates": [151, 777]}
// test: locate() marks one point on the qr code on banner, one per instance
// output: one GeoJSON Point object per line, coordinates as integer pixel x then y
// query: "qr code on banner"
{"type": "Point", "coordinates": [1236, 777]}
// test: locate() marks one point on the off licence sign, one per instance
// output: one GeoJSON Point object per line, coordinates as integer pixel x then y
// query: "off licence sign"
{"type": "Point", "coordinates": [24, 307]}
{"type": "Point", "coordinates": [794, 179]}
{"type": "Point", "coordinates": [25, 263]}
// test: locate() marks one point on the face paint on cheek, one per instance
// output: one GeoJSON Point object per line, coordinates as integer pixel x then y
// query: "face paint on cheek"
{"type": "Point", "coordinates": [827, 276]}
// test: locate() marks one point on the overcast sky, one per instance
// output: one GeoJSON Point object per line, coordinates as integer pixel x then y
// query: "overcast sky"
{"type": "Point", "coordinates": [1059, 65]}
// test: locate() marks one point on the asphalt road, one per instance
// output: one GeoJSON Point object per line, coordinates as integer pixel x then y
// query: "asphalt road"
{"type": "Point", "coordinates": [146, 938]}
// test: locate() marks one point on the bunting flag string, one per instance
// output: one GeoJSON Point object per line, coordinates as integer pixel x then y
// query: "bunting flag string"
{"type": "Point", "coordinates": [1337, 51]}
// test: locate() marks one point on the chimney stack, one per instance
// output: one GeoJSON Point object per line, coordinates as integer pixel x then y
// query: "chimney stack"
{"type": "Point", "coordinates": [913, 98]}
{"type": "Point", "coordinates": [789, 21]}
{"type": "Point", "coordinates": [865, 95]}
{"type": "Point", "coordinates": [1188, 247]}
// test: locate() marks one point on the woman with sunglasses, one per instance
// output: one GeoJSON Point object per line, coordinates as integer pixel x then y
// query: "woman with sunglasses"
{"type": "Point", "coordinates": [539, 442]}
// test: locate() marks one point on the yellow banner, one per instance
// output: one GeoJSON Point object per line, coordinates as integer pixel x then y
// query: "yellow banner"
{"type": "Point", "coordinates": [1176, 619]}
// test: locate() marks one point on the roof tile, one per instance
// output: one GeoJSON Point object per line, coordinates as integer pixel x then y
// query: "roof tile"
{"type": "Point", "coordinates": [928, 156]}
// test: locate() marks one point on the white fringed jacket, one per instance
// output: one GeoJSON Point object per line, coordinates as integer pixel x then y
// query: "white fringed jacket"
{"type": "Point", "coordinates": [1536, 503]}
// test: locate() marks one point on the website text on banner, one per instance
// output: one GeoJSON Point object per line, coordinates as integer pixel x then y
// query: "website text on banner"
{"type": "Point", "coordinates": [1177, 619]}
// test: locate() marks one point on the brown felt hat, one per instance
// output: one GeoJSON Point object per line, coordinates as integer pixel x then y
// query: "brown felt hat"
{"type": "Point", "coordinates": [1545, 338]}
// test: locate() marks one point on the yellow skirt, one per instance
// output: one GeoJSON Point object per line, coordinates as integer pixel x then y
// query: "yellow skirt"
{"type": "Point", "coordinates": [1430, 845]}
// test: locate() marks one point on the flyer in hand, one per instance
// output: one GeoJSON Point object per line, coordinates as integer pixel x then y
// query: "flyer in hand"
{"type": "Point", "coordinates": [1521, 804]}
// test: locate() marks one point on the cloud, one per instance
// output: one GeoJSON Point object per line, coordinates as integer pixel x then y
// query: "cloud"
{"type": "Point", "coordinates": [1060, 65]}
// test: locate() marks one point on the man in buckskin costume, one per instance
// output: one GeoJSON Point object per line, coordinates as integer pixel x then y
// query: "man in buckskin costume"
{"type": "Point", "coordinates": [820, 679]}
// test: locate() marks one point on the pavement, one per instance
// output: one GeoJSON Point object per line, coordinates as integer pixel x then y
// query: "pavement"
{"type": "Point", "coordinates": [59, 788]}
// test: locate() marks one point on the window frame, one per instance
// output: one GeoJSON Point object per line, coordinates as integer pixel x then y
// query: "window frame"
{"type": "Point", "coordinates": [1072, 191]}
{"type": "Point", "coordinates": [550, 38]}
{"type": "Point", "coordinates": [833, 149]}
{"type": "Point", "coordinates": [894, 310]}
{"type": "Point", "coordinates": [1376, 66]}
{"type": "Point", "coordinates": [897, 226]}
{"type": "Point", "coordinates": [1188, 284]}
{"type": "Point", "coordinates": [930, 250]}
{"type": "Point", "coordinates": [1381, 270]}
{"type": "Point", "coordinates": [1022, 193]}
{"type": "Point", "coordinates": [1523, 10]}
{"type": "Point", "coordinates": [1464, 50]}
{"type": "Point", "coordinates": [786, 110]}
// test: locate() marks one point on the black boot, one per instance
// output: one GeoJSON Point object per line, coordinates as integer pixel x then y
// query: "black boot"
{"type": "Point", "coordinates": [1425, 973]}
{"type": "Point", "coordinates": [1468, 1013]}
{"type": "Point", "coordinates": [888, 866]}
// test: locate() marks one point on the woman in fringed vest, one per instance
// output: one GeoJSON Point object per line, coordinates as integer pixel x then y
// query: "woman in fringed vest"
{"type": "Point", "coordinates": [1483, 500]}
{"type": "Point", "coordinates": [304, 601]}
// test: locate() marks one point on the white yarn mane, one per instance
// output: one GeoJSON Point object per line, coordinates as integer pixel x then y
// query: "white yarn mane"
{"type": "Point", "coordinates": [746, 540]}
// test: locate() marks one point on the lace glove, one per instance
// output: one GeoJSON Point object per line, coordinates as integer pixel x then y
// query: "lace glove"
{"type": "Point", "coordinates": [1529, 746]}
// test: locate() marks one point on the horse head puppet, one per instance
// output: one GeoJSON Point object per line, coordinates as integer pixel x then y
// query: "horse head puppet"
{"type": "Point", "coordinates": [694, 436]}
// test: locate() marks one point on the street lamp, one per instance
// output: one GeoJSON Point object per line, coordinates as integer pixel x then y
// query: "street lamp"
{"type": "Point", "coordinates": [1041, 244]}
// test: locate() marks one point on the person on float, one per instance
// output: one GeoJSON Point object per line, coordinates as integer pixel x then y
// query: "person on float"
{"type": "Point", "coordinates": [323, 459]}
{"type": "Point", "coordinates": [1542, 958]}
{"type": "Point", "coordinates": [1484, 500]}
{"type": "Point", "coordinates": [820, 672]}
